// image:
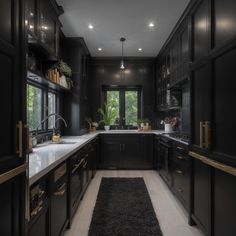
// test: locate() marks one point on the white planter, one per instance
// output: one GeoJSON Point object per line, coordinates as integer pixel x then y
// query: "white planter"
{"type": "Point", "coordinates": [107, 127]}
{"type": "Point", "coordinates": [168, 128]}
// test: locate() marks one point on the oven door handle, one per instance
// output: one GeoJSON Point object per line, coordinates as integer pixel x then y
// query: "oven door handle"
{"type": "Point", "coordinates": [77, 166]}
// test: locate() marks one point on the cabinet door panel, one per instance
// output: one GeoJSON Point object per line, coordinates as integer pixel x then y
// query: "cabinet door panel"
{"type": "Point", "coordinates": [225, 96]}
{"type": "Point", "coordinates": [225, 18]}
{"type": "Point", "coordinates": [200, 31]}
{"type": "Point", "coordinates": [202, 190]}
{"type": "Point", "coordinates": [201, 100]}
{"type": "Point", "coordinates": [224, 204]}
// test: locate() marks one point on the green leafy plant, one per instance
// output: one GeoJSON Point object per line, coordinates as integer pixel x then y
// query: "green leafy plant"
{"type": "Point", "coordinates": [143, 120]}
{"type": "Point", "coordinates": [107, 113]}
{"type": "Point", "coordinates": [64, 69]}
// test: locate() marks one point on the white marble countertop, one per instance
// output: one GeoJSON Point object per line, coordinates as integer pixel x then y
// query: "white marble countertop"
{"type": "Point", "coordinates": [47, 156]}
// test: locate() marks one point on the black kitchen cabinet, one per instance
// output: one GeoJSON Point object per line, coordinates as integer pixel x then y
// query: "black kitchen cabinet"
{"type": "Point", "coordinates": [201, 208]}
{"type": "Point", "coordinates": [224, 204]}
{"type": "Point", "coordinates": [12, 104]}
{"type": "Point", "coordinates": [201, 34]}
{"type": "Point", "coordinates": [76, 106]}
{"type": "Point", "coordinates": [128, 151]}
{"type": "Point", "coordinates": [225, 30]}
{"type": "Point", "coordinates": [181, 172]}
{"type": "Point", "coordinates": [201, 103]}
{"type": "Point", "coordinates": [156, 153]}
{"type": "Point", "coordinates": [224, 94]}
{"type": "Point", "coordinates": [59, 214]}
{"type": "Point", "coordinates": [165, 159]}
{"type": "Point", "coordinates": [40, 225]}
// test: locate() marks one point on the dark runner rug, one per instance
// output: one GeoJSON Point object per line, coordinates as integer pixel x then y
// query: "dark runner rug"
{"type": "Point", "coordinates": [124, 207]}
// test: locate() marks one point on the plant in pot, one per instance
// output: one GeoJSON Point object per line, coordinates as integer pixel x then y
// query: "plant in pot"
{"type": "Point", "coordinates": [108, 114]}
{"type": "Point", "coordinates": [143, 123]}
{"type": "Point", "coordinates": [66, 74]}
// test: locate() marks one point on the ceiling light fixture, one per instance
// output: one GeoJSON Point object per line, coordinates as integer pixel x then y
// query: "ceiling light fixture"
{"type": "Point", "coordinates": [90, 26]}
{"type": "Point", "coordinates": [151, 25]}
{"type": "Point", "coordinates": [140, 49]}
{"type": "Point", "coordinates": [122, 66]}
{"type": "Point", "coordinates": [99, 49]}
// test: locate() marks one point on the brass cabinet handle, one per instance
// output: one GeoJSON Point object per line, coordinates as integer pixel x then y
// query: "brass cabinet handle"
{"type": "Point", "coordinates": [225, 168]}
{"type": "Point", "coordinates": [179, 171]}
{"type": "Point", "coordinates": [201, 134]}
{"type": "Point", "coordinates": [179, 157]}
{"type": "Point", "coordinates": [19, 150]}
{"type": "Point", "coordinates": [61, 191]}
{"type": "Point", "coordinates": [207, 134]}
{"type": "Point", "coordinates": [12, 173]}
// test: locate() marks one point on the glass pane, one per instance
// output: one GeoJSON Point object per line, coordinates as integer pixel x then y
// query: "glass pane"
{"type": "Point", "coordinates": [51, 109]}
{"type": "Point", "coordinates": [113, 102]}
{"type": "Point", "coordinates": [131, 107]}
{"type": "Point", "coordinates": [34, 107]}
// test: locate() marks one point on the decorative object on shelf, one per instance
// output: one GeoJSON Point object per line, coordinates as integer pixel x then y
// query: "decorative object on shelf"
{"type": "Point", "coordinates": [92, 125]}
{"type": "Point", "coordinates": [170, 123]}
{"type": "Point", "coordinates": [108, 114]}
{"type": "Point", "coordinates": [61, 73]}
{"type": "Point", "coordinates": [122, 66]}
{"type": "Point", "coordinates": [144, 124]}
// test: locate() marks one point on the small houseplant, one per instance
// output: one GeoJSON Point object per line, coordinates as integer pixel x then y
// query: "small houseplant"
{"type": "Point", "coordinates": [108, 114]}
{"type": "Point", "coordinates": [65, 73]}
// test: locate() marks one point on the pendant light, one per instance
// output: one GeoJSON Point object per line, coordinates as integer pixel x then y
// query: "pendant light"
{"type": "Point", "coordinates": [122, 66]}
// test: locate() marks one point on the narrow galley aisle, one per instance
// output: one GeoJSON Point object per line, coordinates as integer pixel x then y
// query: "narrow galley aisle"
{"type": "Point", "coordinates": [170, 214]}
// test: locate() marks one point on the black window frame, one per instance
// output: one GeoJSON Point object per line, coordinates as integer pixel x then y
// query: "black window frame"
{"type": "Point", "coordinates": [122, 90]}
{"type": "Point", "coordinates": [44, 105]}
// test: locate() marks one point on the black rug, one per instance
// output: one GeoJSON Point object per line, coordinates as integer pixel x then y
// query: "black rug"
{"type": "Point", "coordinates": [123, 207]}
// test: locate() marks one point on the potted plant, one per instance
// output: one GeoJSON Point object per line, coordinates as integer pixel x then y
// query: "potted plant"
{"type": "Point", "coordinates": [66, 74]}
{"type": "Point", "coordinates": [143, 123]}
{"type": "Point", "coordinates": [108, 114]}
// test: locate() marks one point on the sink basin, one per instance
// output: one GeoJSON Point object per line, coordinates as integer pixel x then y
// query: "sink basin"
{"type": "Point", "coordinates": [63, 142]}
{"type": "Point", "coordinates": [123, 130]}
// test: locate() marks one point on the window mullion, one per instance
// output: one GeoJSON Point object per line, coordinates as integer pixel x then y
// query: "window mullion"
{"type": "Point", "coordinates": [122, 108]}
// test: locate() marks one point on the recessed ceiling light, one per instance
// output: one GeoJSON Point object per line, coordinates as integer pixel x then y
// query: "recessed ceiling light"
{"type": "Point", "coordinates": [90, 26]}
{"type": "Point", "coordinates": [140, 49]}
{"type": "Point", "coordinates": [151, 25]}
{"type": "Point", "coordinates": [99, 49]}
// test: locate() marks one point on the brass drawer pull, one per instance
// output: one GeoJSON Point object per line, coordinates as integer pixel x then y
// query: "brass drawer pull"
{"type": "Point", "coordinates": [61, 191]}
{"type": "Point", "coordinates": [179, 171]}
{"type": "Point", "coordinates": [19, 150]}
{"type": "Point", "coordinates": [225, 168]}
{"type": "Point", "coordinates": [180, 158]}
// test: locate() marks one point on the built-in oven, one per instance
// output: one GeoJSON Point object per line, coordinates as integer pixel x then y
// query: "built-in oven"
{"type": "Point", "coordinates": [165, 149]}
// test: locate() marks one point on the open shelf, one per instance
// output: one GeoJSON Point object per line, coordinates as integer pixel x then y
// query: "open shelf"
{"type": "Point", "coordinates": [41, 80]}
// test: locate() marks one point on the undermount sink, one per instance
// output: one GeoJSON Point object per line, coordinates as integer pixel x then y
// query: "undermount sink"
{"type": "Point", "coordinates": [123, 130]}
{"type": "Point", "coordinates": [63, 142]}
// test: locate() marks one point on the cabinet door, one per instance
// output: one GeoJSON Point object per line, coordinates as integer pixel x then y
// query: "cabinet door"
{"type": "Point", "coordinates": [58, 209]}
{"type": "Point", "coordinates": [12, 105]}
{"type": "Point", "coordinates": [201, 100]}
{"type": "Point", "coordinates": [224, 125]}
{"type": "Point", "coordinates": [202, 195]}
{"type": "Point", "coordinates": [111, 152]}
{"type": "Point", "coordinates": [147, 150]}
{"type": "Point", "coordinates": [48, 26]}
{"type": "Point", "coordinates": [225, 28]}
{"type": "Point", "coordinates": [201, 24]}
{"type": "Point", "coordinates": [224, 204]}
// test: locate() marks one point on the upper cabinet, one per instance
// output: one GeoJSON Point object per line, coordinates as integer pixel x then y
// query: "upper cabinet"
{"type": "Point", "coordinates": [201, 31]}
{"type": "Point", "coordinates": [225, 18]}
{"type": "Point", "coordinates": [43, 27]}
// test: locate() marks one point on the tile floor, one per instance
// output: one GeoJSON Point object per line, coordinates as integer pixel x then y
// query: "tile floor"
{"type": "Point", "coordinates": [171, 215]}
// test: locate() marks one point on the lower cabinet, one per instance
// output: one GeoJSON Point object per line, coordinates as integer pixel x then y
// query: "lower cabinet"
{"type": "Point", "coordinates": [129, 151]}
{"type": "Point", "coordinates": [201, 209]}
{"type": "Point", "coordinates": [181, 171]}
{"type": "Point", "coordinates": [59, 214]}
{"type": "Point", "coordinates": [224, 204]}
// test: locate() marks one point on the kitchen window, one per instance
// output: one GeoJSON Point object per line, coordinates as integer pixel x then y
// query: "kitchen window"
{"type": "Point", "coordinates": [125, 103]}
{"type": "Point", "coordinates": [40, 103]}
